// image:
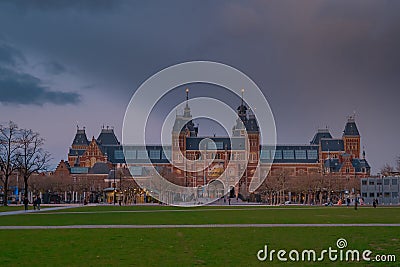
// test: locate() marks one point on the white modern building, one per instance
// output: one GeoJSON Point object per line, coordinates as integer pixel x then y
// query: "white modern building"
{"type": "Point", "coordinates": [384, 189]}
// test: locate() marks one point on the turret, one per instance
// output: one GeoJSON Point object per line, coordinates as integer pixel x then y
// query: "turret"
{"type": "Point", "coordinates": [351, 138]}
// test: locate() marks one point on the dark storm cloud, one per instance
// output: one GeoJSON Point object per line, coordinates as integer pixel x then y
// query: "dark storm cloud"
{"type": "Point", "coordinates": [9, 55]}
{"type": "Point", "coordinates": [54, 67]}
{"type": "Point", "coordinates": [22, 88]}
{"type": "Point", "coordinates": [92, 5]}
{"type": "Point", "coordinates": [316, 61]}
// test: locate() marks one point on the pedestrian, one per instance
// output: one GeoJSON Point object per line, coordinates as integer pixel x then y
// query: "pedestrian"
{"type": "Point", "coordinates": [348, 202]}
{"type": "Point", "coordinates": [374, 203]}
{"type": "Point", "coordinates": [229, 200]}
{"type": "Point", "coordinates": [38, 202]}
{"type": "Point", "coordinates": [34, 203]}
{"type": "Point", "coordinates": [355, 203]}
{"type": "Point", "coordinates": [26, 202]}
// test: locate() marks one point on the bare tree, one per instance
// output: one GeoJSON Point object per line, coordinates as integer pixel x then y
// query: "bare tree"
{"type": "Point", "coordinates": [32, 157]}
{"type": "Point", "coordinates": [9, 146]}
{"type": "Point", "coordinates": [387, 169]}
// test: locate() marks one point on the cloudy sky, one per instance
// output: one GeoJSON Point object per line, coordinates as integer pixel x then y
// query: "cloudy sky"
{"type": "Point", "coordinates": [66, 62]}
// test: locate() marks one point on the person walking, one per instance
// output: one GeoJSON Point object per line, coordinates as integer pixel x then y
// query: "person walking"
{"type": "Point", "coordinates": [34, 203]}
{"type": "Point", "coordinates": [38, 202]}
{"type": "Point", "coordinates": [374, 203]}
{"type": "Point", "coordinates": [26, 202]}
{"type": "Point", "coordinates": [355, 203]}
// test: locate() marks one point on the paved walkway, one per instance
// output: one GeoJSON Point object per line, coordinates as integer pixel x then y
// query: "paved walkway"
{"type": "Point", "coordinates": [137, 226]}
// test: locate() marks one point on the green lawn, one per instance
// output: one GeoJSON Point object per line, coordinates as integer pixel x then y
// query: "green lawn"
{"type": "Point", "coordinates": [205, 215]}
{"type": "Point", "coordinates": [182, 247]}
{"type": "Point", "coordinates": [192, 246]}
{"type": "Point", "coordinates": [11, 208]}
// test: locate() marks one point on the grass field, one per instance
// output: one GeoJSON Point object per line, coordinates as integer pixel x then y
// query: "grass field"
{"type": "Point", "coordinates": [192, 246]}
{"type": "Point", "coordinates": [10, 208]}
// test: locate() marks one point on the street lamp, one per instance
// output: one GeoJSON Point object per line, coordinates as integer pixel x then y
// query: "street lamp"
{"type": "Point", "coordinates": [114, 200]}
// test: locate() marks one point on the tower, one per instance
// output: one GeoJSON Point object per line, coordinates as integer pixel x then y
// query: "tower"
{"type": "Point", "coordinates": [183, 127]}
{"type": "Point", "coordinates": [79, 146]}
{"type": "Point", "coordinates": [247, 123]}
{"type": "Point", "coordinates": [247, 127]}
{"type": "Point", "coordinates": [351, 138]}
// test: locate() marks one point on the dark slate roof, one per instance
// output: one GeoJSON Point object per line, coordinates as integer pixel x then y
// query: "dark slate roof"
{"type": "Point", "coordinates": [351, 128]}
{"type": "Point", "coordinates": [100, 168]}
{"type": "Point", "coordinates": [182, 123]}
{"type": "Point", "coordinates": [322, 133]}
{"type": "Point", "coordinates": [238, 143]}
{"type": "Point", "coordinates": [251, 124]}
{"type": "Point", "coordinates": [332, 144]}
{"type": "Point", "coordinates": [80, 138]}
{"type": "Point", "coordinates": [107, 138]}
{"type": "Point", "coordinates": [76, 152]}
{"type": "Point", "coordinates": [110, 151]}
{"type": "Point", "coordinates": [242, 109]}
{"type": "Point", "coordinates": [358, 164]}
{"type": "Point", "coordinates": [334, 165]}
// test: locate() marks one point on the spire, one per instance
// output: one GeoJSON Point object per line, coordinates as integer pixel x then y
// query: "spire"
{"type": "Point", "coordinates": [186, 111]}
{"type": "Point", "coordinates": [242, 109]}
{"type": "Point", "coordinates": [242, 94]}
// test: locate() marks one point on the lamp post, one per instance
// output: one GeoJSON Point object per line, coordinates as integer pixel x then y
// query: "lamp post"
{"type": "Point", "coordinates": [114, 200]}
{"type": "Point", "coordinates": [120, 185]}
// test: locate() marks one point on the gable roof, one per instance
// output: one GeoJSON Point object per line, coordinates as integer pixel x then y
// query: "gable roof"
{"type": "Point", "coordinates": [80, 138]}
{"type": "Point", "coordinates": [332, 144]}
{"type": "Point", "coordinates": [334, 165]}
{"type": "Point", "coordinates": [107, 138]}
{"type": "Point", "coordinates": [321, 134]}
{"type": "Point", "coordinates": [100, 168]}
{"type": "Point", "coordinates": [351, 128]}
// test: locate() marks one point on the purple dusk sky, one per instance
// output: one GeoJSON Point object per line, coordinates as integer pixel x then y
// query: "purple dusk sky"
{"type": "Point", "coordinates": [64, 63]}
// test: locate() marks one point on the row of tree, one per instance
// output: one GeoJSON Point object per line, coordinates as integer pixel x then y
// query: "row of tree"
{"type": "Point", "coordinates": [315, 188]}
{"type": "Point", "coordinates": [21, 150]}
{"type": "Point", "coordinates": [388, 169]}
